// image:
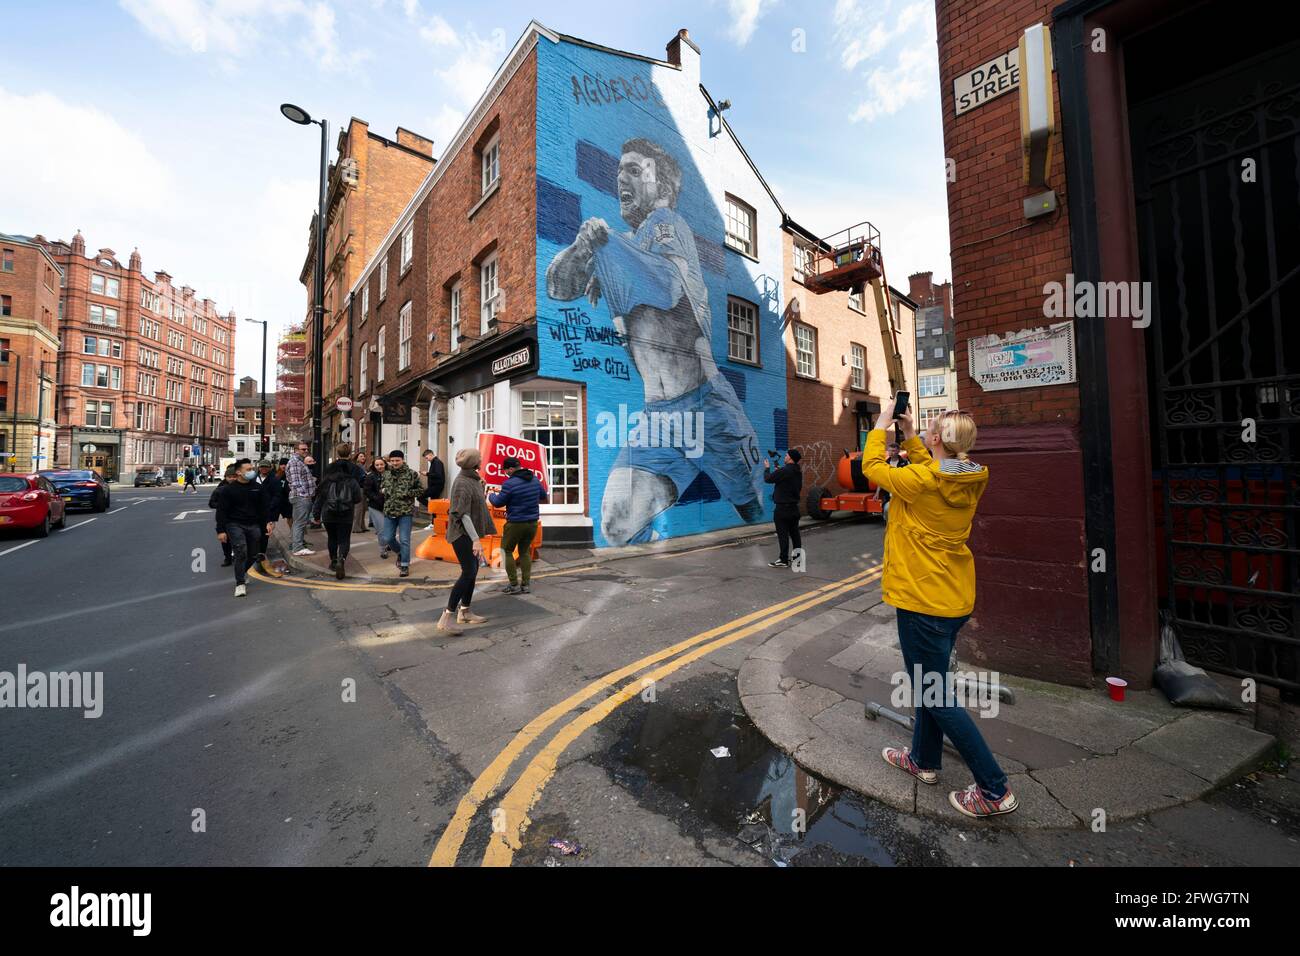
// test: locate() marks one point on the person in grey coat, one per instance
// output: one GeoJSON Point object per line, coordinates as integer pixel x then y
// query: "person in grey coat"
{"type": "Point", "coordinates": [468, 520]}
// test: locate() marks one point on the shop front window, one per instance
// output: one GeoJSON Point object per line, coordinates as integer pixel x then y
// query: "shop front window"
{"type": "Point", "coordinates": [550, 418]}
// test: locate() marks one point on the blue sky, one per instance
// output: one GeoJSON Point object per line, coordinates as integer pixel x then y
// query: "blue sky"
{"type": "Point", "coordinates": [155, 123]}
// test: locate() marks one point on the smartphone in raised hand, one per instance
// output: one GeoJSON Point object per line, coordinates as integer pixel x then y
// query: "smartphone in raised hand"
{"type": "Point", "coordinates": [900, 408]}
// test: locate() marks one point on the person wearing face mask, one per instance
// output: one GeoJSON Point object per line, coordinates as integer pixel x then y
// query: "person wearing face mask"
{"type": "Point", "coordinates": [242, 516]}
{"type": "Point", "coordinates": [232, 473]}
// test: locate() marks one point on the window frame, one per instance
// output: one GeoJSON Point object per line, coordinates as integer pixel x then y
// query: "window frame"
{"type": "Point", "coordinates": [383, 277]}
{"type": "Point", "coordinates": [454, 317]}
{"type": "Point", "coordinates": [489, 266]}
{"type": "Point", "coordinates": [735, 202]}
{"type": "Point", "coordinates": [408, 247]}
{"type": "Point", "coordinates": [382, 355]}
{"type": "Point", "coordinates": [799, 351]}
{"type": "Point", "coordinates": [528, 429]}
{"type": "Point", "coordinates": [404, 337]}
{"type": "Point", "coordinates": [754, 333]}
{"type": "Point", "coordinates": [490, 158]}
{"type": "Point", "coordinates": [857, 370]}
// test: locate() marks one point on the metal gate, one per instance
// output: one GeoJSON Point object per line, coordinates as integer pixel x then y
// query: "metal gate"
{"type": "Point", "coordinates": [1217, 185]}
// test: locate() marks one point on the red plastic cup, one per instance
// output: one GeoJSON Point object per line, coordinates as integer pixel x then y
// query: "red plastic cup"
{"type": "Point", "coordinates": [1116, 685]}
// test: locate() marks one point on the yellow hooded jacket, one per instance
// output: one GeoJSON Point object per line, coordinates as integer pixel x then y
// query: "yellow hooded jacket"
{"type": "Point", "coordinates": [928, 567]}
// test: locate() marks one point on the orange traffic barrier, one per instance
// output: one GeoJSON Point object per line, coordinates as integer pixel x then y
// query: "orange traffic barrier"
{"type": "Point", "coordinates": [436, 547]}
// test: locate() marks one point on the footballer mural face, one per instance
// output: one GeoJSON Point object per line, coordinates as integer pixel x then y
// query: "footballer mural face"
{"type": "Point", "coordinates": [638, 188]}
{"type": "Point", "coordinates": [650, 280]}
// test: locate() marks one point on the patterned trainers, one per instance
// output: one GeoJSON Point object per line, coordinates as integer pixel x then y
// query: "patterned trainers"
{"type": "Point", "coordinates": [903, 761]}
{"type": "Point", "coordinates": [973, 803]}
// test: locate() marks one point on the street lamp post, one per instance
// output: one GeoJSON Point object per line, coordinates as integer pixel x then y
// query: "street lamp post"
{"type": "Point", "coordinates": [40, 412]}
{"type": "Point", "coordinates": [297, 114]}
{"type": "Point", "coordinates": [261, 448]}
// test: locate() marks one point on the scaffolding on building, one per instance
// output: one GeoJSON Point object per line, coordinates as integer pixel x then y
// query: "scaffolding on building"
{"type": "Point", "coordinates": [291, 384]}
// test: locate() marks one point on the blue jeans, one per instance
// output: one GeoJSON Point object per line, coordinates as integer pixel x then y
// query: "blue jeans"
{"type": "Point", "coordinates": [397, 531]}
{"type": "Point", "coordinates": [927, 642]}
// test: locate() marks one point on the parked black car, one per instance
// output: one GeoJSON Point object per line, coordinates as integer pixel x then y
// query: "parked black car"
{"type": "Point", "coordinates": [150, 477]}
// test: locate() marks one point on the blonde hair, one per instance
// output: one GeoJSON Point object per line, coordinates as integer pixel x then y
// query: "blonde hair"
{"type": "Point", "coordinates": [957, 433]}
{"type": "Point", "coordinates": [468, 458]}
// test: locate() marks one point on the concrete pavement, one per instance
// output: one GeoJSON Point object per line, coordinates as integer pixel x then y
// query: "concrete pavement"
{"type": "Point", "coordinates": [1068, 752]}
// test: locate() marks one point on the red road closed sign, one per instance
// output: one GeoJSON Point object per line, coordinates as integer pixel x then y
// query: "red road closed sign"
{"type": "Point", "coordinates": [344, 404]}
{"type": "Point", "coordinates": [497, 448]}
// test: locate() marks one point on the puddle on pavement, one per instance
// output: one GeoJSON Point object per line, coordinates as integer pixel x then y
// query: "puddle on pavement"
{"type": "Point", "coordinates": [756, 793]}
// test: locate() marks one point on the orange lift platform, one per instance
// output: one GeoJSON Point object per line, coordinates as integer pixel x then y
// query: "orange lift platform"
{"type": "Point", "coordinates": [436, 547]}
{"type": "Point", "coordinates": [860, 495]}
{"type": "Point", "coordinates": [849, 261]}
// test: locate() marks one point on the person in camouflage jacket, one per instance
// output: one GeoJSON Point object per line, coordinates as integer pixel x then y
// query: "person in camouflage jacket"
{"type": "Point", "coordinates": [401, 487]}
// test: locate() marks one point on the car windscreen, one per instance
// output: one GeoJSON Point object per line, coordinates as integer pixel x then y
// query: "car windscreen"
{"type": "Point", "coordinates": [12, 484]}
{"type": "Point", "coordinates": [60, 477]}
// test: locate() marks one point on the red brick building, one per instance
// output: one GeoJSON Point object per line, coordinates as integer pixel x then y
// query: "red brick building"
{"type": "Point", "coordinates": [370, 182]}
{"type": "Point", "coordinates": [29, 351]}
{"type": "Point", "coordinates": [836, 371]}
{"type": "Point", "coordinates": [145, 367]}
{"type": "Point", "coordinates": [1161, 473]}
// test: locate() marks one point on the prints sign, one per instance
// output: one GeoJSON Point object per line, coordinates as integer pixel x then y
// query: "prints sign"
{"type": "Point", "coordinates": [987, 81]}
{"type": "Point", "coordinates": [497, 448]}
{"type": "Point", "coordinates": [508, 363]}
{"type": "Point", "coordinates": [1027, 359]}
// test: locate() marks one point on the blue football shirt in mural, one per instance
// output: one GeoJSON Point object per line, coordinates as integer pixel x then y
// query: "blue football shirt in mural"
{"type": "Point", "coordinates": [645, 270]}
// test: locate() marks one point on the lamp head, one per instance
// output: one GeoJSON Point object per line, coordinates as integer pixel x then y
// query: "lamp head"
{"type": "Point", "coordinates": [295, 114]}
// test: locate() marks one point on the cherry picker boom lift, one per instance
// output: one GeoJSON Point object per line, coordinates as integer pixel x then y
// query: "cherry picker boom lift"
{"type": "Point", "coordinates": [849, 261]}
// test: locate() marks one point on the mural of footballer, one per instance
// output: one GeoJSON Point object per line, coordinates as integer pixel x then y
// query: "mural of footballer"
{"type": "Point", "coordinates": [651, 280]}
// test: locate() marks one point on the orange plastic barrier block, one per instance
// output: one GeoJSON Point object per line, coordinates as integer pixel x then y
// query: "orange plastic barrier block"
{"type": "Point", "coordinates": [436, 547]}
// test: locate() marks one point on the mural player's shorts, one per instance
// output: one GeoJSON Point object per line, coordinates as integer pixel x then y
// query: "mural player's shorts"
{"type": "Point", "coordinates": [730, 455]}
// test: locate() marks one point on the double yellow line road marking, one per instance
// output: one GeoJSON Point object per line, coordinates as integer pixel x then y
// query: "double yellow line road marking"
{"type": "Point", "coordinates": [512, 812]}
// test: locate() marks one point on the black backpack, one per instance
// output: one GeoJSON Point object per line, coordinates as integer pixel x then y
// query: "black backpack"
{"type": "Point", "coordinates": [339, 500]}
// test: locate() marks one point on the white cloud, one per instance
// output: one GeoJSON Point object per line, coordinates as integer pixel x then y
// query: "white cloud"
{"type": "Point", "coordinates": [745, 15]}
{"type": "Point", "coordinates": [473, 66]}
{"type": "Point", "coordinates": [438, 32]}
{"type": "Point", "coordinates": [322, 42]}
{"type": "Point", "coordinates": [235, 29]}
{"type": "Point", "coordinates": [122, 175]}
{"type": "Point", "coordinates": [865, 35]}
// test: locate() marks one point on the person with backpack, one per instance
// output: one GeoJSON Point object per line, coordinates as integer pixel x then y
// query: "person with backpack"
{"type": "Point", "coordinates": [190, 486]}
{"type": "Point", "coordinates": [337, 498]}
{"type": "Point", "coordinates": [522, 496]}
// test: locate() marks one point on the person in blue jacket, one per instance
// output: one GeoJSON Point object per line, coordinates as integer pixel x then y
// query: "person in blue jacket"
{"type": "Point", "coordinates": [521, 495]}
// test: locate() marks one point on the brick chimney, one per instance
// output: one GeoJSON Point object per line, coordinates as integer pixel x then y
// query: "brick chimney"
{"type": "Point", "coordinates": [683, 52]}
{"type": "Point", "coordinates": [414, 141]}
{"type": "Point", "coordinates": [247, 387]}
{"type": "Point", "coordinates": [919, 288]}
